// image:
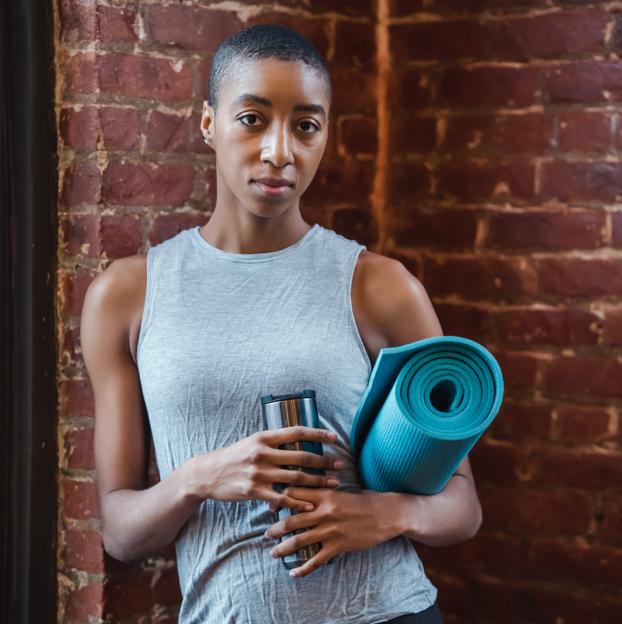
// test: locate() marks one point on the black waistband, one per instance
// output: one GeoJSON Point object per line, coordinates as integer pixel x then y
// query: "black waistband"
{"type": "Point", "coordinates": [431, 615]}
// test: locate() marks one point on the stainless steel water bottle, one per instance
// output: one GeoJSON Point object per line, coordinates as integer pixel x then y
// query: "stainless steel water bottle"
{"type": "Point", "coordinates": [289, 410]}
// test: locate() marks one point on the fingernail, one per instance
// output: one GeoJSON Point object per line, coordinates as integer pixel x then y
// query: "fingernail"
{"type": "Point", "coordinates": [309, 507]}
{"type": "Point", "coordinates": [332, 482]}
{"type": "Point", "coordinates": [339, 464]}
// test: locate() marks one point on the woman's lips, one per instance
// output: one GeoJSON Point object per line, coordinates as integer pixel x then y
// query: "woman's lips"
{"type": "Point", "coordinates": [272, 191]}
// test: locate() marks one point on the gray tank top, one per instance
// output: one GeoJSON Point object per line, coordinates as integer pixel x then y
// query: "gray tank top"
{"type": "Point", "coordinates": [220, 330]}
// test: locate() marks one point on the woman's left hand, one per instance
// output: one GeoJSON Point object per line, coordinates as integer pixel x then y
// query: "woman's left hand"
{"type": "Point", "coordinates": [341, 521]}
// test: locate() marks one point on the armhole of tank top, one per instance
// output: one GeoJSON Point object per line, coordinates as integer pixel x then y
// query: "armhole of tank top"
{"type": "Point", "coordinates": [148, 303]}
{"type": "Point", "coordinates": [351, 319]}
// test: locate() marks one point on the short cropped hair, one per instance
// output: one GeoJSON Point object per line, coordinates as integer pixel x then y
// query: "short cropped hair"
{"type": "Point", "coordinates": [263, 41]}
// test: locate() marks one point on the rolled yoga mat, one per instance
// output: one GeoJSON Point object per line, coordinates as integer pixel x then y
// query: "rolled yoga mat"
{"type": "Point", "coordinates": [425, 406]}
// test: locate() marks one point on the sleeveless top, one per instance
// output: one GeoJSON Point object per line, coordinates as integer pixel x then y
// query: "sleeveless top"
{"type": "Point", "coordinates": [220, 330]}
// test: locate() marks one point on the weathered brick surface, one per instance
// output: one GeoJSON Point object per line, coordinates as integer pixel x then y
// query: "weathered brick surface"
{"type": "Point", "coordinates": [483, 153]}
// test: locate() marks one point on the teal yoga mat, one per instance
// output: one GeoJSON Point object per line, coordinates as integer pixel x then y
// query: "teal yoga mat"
{"type": "Point", "coordinates": [425, 406]}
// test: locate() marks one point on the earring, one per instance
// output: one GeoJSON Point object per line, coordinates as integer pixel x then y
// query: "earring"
{"type": "Point", "coordinates": [205, 139]}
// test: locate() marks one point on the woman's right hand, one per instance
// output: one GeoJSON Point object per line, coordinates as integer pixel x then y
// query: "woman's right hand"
{"type": "Point", "coordinates": [249, 468]}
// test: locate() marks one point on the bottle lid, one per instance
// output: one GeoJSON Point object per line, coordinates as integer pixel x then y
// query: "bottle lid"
{"type": "Point", "coordinates": [271, 398]}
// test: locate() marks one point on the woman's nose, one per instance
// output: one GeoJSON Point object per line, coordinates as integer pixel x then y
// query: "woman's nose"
{"type": "Point", "coordinates": [277, 146]}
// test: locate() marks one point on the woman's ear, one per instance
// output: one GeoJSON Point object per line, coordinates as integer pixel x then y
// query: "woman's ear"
{"type": "Point", "coordinates": [207, 124]}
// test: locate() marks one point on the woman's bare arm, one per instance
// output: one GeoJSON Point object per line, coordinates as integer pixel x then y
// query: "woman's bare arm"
{"type": "Point", "coordinates": [137, 520]}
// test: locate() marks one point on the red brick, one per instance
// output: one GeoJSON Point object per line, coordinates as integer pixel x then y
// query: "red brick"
{"type": "Point", "coordinates": [147, 184]}
{"type": "Point", "coordinates": [77, 20]}
{"type": "Point", "coordinates": [616, 227]}
{"type": "Point", "coordinates": [407, 181]}
{"type": "Point", "coordinates": [168, 132]}
{"type": "Point", "coordinates": [613, 327]}
{"type": "Point", "coordinates": [585, 132]}
{"type": "Point", "coordinates": [490, 86]}
{"type": "Point", "coordinates": [589, 181]}
{"type": "Point", "coordinates": [79, 73]}
{"type": "Point", "coordinates": [84, 551]}
{"type": "Point", "coordinates": [587, 564]}
{"type": "Point", "coordinates": [585, 375]}
{"type": "Point", "coordinates": [356, 224]}
{"type": "Point", "coordinates": [525, 327]}
{"type": "Point", "coordinates": [406, 7]}
{"type": "Point", "coordinates": [167, 225]}
{"type": "Point", "coordinates": [579, 468]}
{"type": "Point", "coordinates": [358, 134]}
{"type": "Point", "coordinates": [316, 30]}
{"type": "Point", "coordinates": [72, 290]}
{"type": "Point", "coordinates": [519, 371]}
{"type": "Point", "coordinates": [464, 320]}
{"type": "Point", "coordinates": [440, 228]}
{"type": "Point", "coordinates": [528, 133]}
{"type": "Point", "coordinates": [409, 87]}
{"type": "Point", "coordinates": [578, 277]}
{"type": "Point", "coordinates": [145, 77]}
{"type": "Point", "coordinates": [355, 8]}
{"type": "Point", "coordinates": [469, 133]}
{"type": "Point", "coordinates": [79, 449]}
{"type": "Point", "coordinates": [115, 236]}
{"type": "Point", "coordinates": [527, 601]}
{"type": "Point", "coordinates": [355, 44]}
{"type": "Point", "coordinates": [354, 90]}
{"type": "Point", "coordinates": [587, 81]}
{"type": "Point", "coordinates": [76, 398]}
{"type": "Point", "coordinates": [119, 128]}
{"type": "Point", "coordinates": [477, 278]}
{"type": "Point", "coordinates": [78, 128]}
{"type": "Point", "coordinates": [140, 592]}
{"type": "Point", "coordinates": [117, 24]}
{"type": "Point", "coordinates": [412, 133]}
{"type": "Point", "coordinates": [476, 181]}
{"type": "Point", "coordinates": [80, 499]}
{"type": "Point", "coordinates": [71, 350]}
{"type": "Point", "coordinates": [81, 184]}
{"type": "Point", "coordinates": [350, 184]}
{"type": "Point", "coordinates": [546, 230]}
{"type": "Point", "coordinates": [486, 553]}
{"type": "Point", "coordinates": [503, 463]}
{"type": "Point", "coordinates": [535, 511]}
{"type": "Point", "coordinates": [574, 423]}
{"type": "Point", "coordinates": [439, 40]}
{"type": "Point", "coordinates": [193, 28]}
{"type": "Point", "coordinates": [85, 603]}
{"type": "Point", "coordinates": [612, 508]}
{"type": "Point", "coordinates": [522, 421]}
{"type": "Point", "coordinates": [120, 235]}
{"type": "Point", "coordinates": [80, 235]}
{"type": "Point", "coordinates": [550, 35]}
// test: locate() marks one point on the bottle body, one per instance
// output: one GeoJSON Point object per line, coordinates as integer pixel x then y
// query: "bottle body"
{"type": "Point", "coordinates": [290, 410]}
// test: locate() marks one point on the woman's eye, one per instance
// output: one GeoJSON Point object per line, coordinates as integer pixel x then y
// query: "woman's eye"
{"type": "Point", "coordinates": [313, 128]}
{"type": "Point", "coordinates": [248, 115]}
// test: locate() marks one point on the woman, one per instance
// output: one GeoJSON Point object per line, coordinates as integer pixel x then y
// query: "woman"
{"type": "Point", "coordinates": [183, 342]}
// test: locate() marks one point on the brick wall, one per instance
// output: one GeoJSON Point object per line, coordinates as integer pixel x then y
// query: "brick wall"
{"type": "Point", "coordinates": [477, 141]}
{"type": "Point", "coordinates": [505, 198]}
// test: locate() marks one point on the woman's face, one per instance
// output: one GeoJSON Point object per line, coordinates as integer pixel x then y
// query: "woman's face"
{"type": "Point", "coordinates": [271, 122]}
